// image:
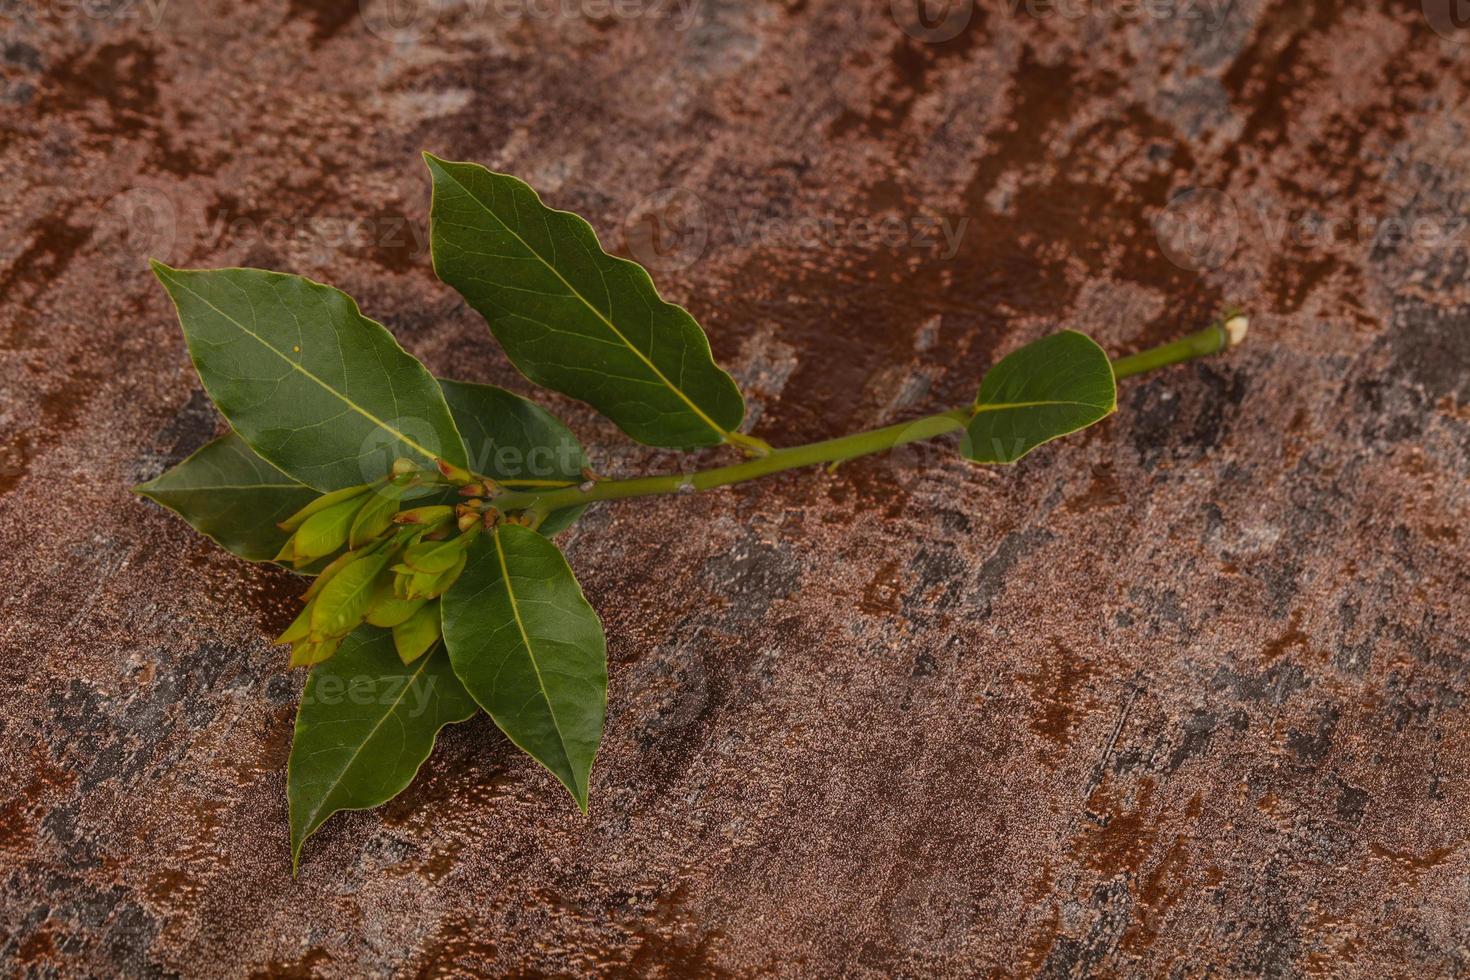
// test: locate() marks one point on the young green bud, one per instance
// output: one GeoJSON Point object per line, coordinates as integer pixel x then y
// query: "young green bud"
{"type": "Point", "coordinates": [454, 474]}
{"type": "Point", "coordinates": [375, 517]}
{"type": "Point", "coordinates": [308, 654]}
{"type": "Point", "coordinates": [413, 637]}
{"type": "Point", "coordinates": [319, 504]}
{"type": "Point", "coordinates": [299, 629]}
{"type": "Point", "coordinates": [424, 515]}
{"type": "Point", "coordinates": [325, 531]}
{"type": "Point", "coordinates": [402, 467]}
{"type": "Point", "coordinates": [343, 603]}
{"type": "Point", "coordinates": [386, 609]}
{"type": "Point", "coordinates": [434, 556]}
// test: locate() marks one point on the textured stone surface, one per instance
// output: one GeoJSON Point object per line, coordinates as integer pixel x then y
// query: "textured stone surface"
{"type": "Point", "coordinates": [1184, 694]}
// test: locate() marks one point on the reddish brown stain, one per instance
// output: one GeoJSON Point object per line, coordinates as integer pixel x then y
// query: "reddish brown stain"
{"type": "Point", "coordinates": [1059, 689]}
{"type": "Point", "coordinates": [1127, 834]}
{"type": "Point", "coordinates": [857, 749]}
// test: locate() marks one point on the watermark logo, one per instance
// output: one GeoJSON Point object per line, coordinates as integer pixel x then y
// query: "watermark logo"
{"type": "Point", "coordinates": [668, 230]}
{"type": "Point", "coordinates": [1210, 14]}
{"type": "Point", "coordinates": [402, 437]}
{"type": "Point", "coordinates": [399, 21]}
{"type": "Point", "coordinates": [932, 21]}
{"type": "Point", "coordinates": [405, 21]}
{"type": "Point", "coordinates": [673, 228]}
{"type": "Point", "coordinates": [143, 220]}
{"type": "Point", "coordinates": [1198, 229]}
{"type": "Point", "coordinates": [1450, 19]}
{"type": "Point", "coordinates": [146, 14]}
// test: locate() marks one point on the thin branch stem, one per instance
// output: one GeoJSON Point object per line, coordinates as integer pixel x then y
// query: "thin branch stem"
{"type": "Point", "coordinates": [1210, 340]}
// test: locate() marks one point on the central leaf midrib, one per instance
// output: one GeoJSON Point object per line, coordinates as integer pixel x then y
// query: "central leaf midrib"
{"type": "Point", "coordinates": [1002, 406]}
{"type": "Point", "coordinates": [341, 773]}
{"type": "Point", "coordinates": [430, 456]}
{"type": "Point", "coordinates": [595, 311]}
{"type": "Point", "coordinates": [226, 486]}
{"type": "Point", "coordinates": [515, 611]}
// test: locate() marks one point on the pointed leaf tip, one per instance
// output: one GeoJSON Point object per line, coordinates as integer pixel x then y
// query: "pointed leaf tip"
{"type": "Point", "coordinates": [571, 316]}
{"type": "Point", "coordinates": [530, 650]}
{"type": "Point", "coordinates": [366, 724]}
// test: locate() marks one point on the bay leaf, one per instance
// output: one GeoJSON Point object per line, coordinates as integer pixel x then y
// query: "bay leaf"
{"type": "Point", "coordinates": [530, 650]}
{"type": "Point", "coordinates": [343, 602]}
{"type": "Point", "coordinates": [365, 725]}
{"type": "Point", "coordinates": [572, 317]}
{"type": "Point", "coordinates": [313, 386]}
{"type": "Point", "coordinates": [228, 493]}
{"type": "Point", "coordinates": [413, 636]}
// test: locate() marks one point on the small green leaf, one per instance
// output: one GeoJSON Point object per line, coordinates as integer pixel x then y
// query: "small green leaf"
{"type": "Point", "coordinates": [434, 556]}
{"type": "Point", "coordinates": [517, 443]}
{"type": "Point", "coordinates": [343, 603]}
{"type": "Point", "coordinates": [365, 725]}
{"type": "Point", "coordinates": [300, 628]}
{"type": "Point", "coordinates": [414, 636]}
{"type": "Point", "coordinates": [231, 495]}
{"type": "Point", "coordinates": [320, 504]}
{"type": "Point", "coordinates": [387, 610]}
{"type": "Point", "coordinates": [377, 514]}
{"type": "Point", "coordinates": [313, 386]}
{"type": "Point", "coordinates": [530, 650]}
{"type": "Point", "coordinates": [325, 531]}
{"type": "Point", "coordinates": [305, 653]}
{"type": "Point", "coordinates": [1047, 389]}
{"type": "Point", "coordinates": [573, 318]}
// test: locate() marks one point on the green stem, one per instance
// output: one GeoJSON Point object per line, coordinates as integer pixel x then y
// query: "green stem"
{"type": "Point", "coordinates": [1228, 332]}
{"type": "Point", "coordinates": [1211, 340]}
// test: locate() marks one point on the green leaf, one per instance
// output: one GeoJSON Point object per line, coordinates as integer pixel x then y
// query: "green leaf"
{"type": "Point", "coordinates": [1057, 385]}
{"type": "Point", "coordinates": [343, 603]}
{"type": "Point", "coordinates": [231, 495]}
{"type": "Point", "coordinates": [517, 443]}
{"type": "Point", "coordinates": [322, 503]}
{"type": "Point", "coordinates": [530, 650]}
{"type": "Point", "coordinates": [365, 725]}
{"type": "Point", "coordinates": [573, 318]}
{"type": "Point", "coordinates": [313, 386]}
{"type": "Point", "coordinates": [417, 633]}
{"type": "Point", "coordinates": [387, 610]}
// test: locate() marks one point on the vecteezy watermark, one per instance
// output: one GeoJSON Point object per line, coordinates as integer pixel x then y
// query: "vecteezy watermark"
{"type": "Point", "coordinates": [143, 220]}
{"type": "Point", "coordinates": [319, 237]}
{"type": "Point", "coordinates": [1198, 229]}
{"type": "Point", "coordinates": [1209, 13]}
{"type": "Point", "coordinates": [403, 21]}
{"type": "Point", "coordinates": [938, 21]}
{"type": "Point", "coordinates": [1450, 19]}
{"type": "Point", "coordinates": [932, 21]}
{"type": "Point", "coordinates": [673, 228]}
{"type": "Point", "coordinates": [146, 222]}
{"type": "Point", "coordinates": [146, 13]}
{"type": "Point", "coordinates": [410, 692]}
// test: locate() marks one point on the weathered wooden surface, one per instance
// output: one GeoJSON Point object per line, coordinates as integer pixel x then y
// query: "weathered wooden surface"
{"type": "Point", "coordinates": [1185, 694]}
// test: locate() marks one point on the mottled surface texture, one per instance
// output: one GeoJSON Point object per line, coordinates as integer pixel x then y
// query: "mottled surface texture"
{"type": "Point", "coordinates": [1186, 693]}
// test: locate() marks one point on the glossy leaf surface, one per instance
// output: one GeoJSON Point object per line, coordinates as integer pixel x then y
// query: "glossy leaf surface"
{"type": "Point", "coordinates": [365, 725]}
{"type": "Point", "coordinates": [517, 443]}
{"type": "Point", "coordinates": [1045, 390]}
{"type": "Point", "coordinates": [227, 492]}
{"type": "Point", "coordinates": [312, 385]}
{"type": "Point", "coordinates": [573, 318]}
{"type": "Point", "coordinates": [530, 650]}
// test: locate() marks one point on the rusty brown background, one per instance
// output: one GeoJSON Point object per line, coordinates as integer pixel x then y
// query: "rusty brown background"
{"type": "Point", "coordinates": [1183, 695]}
